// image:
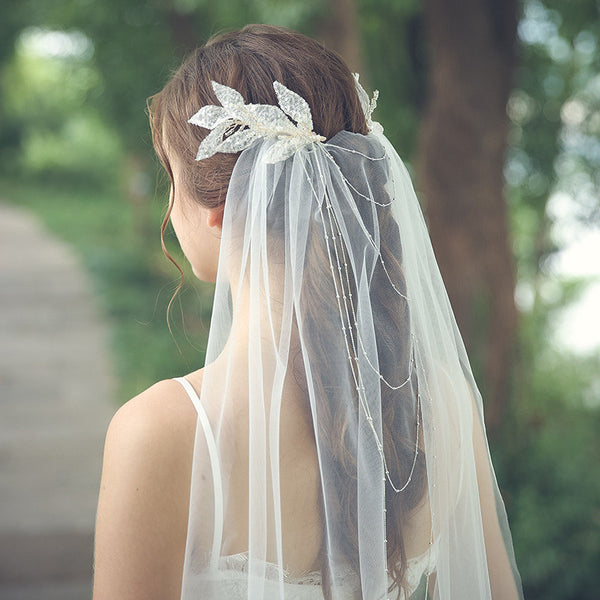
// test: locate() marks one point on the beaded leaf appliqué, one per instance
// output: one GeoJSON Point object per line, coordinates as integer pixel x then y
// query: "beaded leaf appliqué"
{"type": "Point", "coordinates": [368, 105]}
{"type": "Point", "coordinates": [247, 122]}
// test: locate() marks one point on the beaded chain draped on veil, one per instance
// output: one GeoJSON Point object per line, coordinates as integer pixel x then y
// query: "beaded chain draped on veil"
{"type": "Point", "coordinates": [340, 448]}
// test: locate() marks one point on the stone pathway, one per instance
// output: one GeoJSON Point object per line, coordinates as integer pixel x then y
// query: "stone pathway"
{"type": "Point", "coordinates": [56, 398]}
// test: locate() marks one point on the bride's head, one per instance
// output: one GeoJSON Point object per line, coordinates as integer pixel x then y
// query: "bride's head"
{"type": "Point", "coordinates": [248, 60]}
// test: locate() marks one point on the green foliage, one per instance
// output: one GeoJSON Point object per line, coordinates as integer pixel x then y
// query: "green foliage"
{"type": "Point", "coordinates": [82, 149]}
{"type": "Point", "coordinates": [555, 110]}
{"type": "Point", "coordinates": [60, 136]}
{"type": "Point", "coordinates": [549, 449]}
{"type": "Point", "coordinates": [548, 456]}
{"type": "Point", "coordinates": [132, 50]}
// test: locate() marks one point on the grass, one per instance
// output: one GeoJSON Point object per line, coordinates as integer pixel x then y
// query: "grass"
{"type": "Point", "coordinates": [119, 245]}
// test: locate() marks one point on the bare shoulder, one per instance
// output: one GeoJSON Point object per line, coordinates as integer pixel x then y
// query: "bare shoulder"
{"type": "Point", "coordinates": [162, 411]}
{"type": "Point", "coordinates": [153, 433]}
{"type": "Point", "coordinates": [144, 496]}
{"type": "Point", "coordinates": [149, 447]}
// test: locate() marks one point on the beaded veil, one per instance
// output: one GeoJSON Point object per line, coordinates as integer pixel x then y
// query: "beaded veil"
{"type": "Point", "coordinates": [341, 451]}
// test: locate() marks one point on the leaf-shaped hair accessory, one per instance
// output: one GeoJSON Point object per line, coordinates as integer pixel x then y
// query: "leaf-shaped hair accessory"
{"type": "Point", "coordinates": [368, 105]}
{"type": "Point", "coordinates": [294, 105]}
{"type": "Point", "coordinates": [251, 121]}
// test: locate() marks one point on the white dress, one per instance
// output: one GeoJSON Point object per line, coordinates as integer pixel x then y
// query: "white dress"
{"type": "Point", "coordinates": [229, 574]}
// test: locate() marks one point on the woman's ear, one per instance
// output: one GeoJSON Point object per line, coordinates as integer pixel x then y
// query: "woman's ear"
{"type": "Point", "coordinates": [214, 216]}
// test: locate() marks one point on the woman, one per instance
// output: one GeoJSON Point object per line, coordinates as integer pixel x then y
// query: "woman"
{"type": "Point", "coordinates": [333, 445]}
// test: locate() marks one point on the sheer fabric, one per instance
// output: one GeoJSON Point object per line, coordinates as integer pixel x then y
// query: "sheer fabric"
{"type": "Point", "coordinates": [340, 450]}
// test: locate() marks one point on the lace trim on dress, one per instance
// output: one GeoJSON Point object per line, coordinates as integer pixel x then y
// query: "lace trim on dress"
{"type": "Point", "coordinates": [240, 563]}
{"type": "Point", "coordinates": [417, 567]}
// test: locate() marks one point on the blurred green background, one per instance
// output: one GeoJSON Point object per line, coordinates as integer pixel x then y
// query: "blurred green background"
{"type": "Point", "coordinates": [75, 148]}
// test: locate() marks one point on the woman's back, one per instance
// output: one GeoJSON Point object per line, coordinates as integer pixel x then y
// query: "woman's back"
{"type": "Point", "coordinates": [299, 482]}
{"type": "Point", "coordinates": [301, 521]}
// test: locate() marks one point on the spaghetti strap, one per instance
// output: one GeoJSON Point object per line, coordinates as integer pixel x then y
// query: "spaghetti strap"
{"type": "Point", "coordinates": [216, 470]}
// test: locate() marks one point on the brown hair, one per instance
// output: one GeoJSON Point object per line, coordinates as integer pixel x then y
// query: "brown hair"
{"type": "Point", "coordinates": [249, 60]}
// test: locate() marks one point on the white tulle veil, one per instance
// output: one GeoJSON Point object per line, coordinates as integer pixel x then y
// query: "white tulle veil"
{"type": "Point", "coordinates": [342, 452]}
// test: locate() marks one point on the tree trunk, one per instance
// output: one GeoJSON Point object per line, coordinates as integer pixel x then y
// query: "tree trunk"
{"type": "Point", "coordinates": [183, 33]}
{"type": "Point", "coordinates": [461, 158]}
{"type": "Point", "coordinates": [339, 31]}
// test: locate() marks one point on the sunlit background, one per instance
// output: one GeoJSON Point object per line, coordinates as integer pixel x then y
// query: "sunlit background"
{"type": "Point", "coordinates": [76, 157]}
